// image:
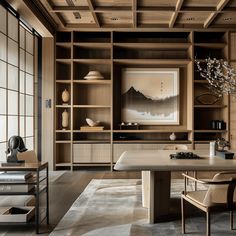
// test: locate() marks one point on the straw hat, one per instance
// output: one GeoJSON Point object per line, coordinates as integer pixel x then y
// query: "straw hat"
{"type": "Point", "coordinates": [94, 75]}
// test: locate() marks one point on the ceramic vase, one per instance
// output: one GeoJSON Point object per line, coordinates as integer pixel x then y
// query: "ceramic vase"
{"type": "Point", "coordinates": [172, 137]}
{"type": "Point", "coordinates": [65, 96]}
{"type": "Point", "coordinates": [65, 119]}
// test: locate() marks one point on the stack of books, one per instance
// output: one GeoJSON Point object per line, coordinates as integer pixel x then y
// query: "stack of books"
{"type": "Point", "coordinates": [91, 128]}
{"type": "Point", "coordinates": [15, 176]}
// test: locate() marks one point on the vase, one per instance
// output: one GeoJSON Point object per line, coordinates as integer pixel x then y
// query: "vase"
{"type": "Point", "coordinates": [65, 119]}
{"type": "Point", "coordinates": [65, 96]}
{"type": "Point", "coordinates": [172, 137]}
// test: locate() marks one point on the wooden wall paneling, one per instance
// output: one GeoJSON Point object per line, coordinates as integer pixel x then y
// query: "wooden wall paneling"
{"type": "Point", "coordinates": [232, 123]}
{"type": "Point", "coordinates": [112, 104]}
{"type": "Point", "coordinates": [36, 95]}
{"type": "Point", "coordinates": [47, 93]}
{"type": "Point", "coordinates": [232, 46]}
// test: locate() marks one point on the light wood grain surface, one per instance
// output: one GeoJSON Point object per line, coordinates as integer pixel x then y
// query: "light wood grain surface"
{"type": "Point", "coordinates": [159, 160]}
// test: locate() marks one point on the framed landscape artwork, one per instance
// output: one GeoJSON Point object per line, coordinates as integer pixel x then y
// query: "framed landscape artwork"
{"type": "Point", "coordinates": [150, 96]}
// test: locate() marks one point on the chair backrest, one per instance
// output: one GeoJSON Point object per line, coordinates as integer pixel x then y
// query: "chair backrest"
{"type": "Point", "coordinates": [217, 194]}
{"type": "Point", "coordinates": [28, 156]}
{"type": "Point", "coordinates": [176, 147]}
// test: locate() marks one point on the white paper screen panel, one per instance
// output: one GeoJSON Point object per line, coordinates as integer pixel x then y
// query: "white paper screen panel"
{"type": "Point", "coordinates": [3, 20]}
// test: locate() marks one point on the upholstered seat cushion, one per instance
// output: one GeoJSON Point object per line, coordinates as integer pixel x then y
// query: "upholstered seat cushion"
{"type": "Point", "coordinates": [197, 196]}
{"type": "Point", "coordinates": [20, 200]}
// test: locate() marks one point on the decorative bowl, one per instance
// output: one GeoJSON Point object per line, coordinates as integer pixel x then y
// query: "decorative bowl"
{"type": "Point", "coordinates": [93, 75]}
{"type": "Point", "coordinates": [92, 123]}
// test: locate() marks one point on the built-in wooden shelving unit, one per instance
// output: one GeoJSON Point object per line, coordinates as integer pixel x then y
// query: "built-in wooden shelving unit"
{"type": "Point", "coordinates": [77, 53]}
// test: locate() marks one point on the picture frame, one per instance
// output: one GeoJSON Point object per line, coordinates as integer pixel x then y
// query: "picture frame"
{"type": "Point", "coordinates": [150, 96]}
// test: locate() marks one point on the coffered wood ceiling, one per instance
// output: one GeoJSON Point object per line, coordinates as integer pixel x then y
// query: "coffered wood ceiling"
{"type": "Point", "coordinates": [115, 14]}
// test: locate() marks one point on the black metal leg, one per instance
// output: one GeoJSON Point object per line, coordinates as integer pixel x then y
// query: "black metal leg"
{"type": "Point", "coordinates": [37, 203]}
{"type": "Point", "coordinates": [47, 198]}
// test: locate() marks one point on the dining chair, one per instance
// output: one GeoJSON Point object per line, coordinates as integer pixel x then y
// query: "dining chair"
{"type": "Point", "coordinates": [219, 196]}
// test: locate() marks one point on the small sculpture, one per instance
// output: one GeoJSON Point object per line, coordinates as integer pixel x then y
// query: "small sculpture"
{"type": "Point", "coordinates": [173, 137]}
{"type": "Point", "coordinates": [65, 96]}
{"type": "Point", "coordinates": [65, 119]}
{"type": "Point", "coordinates": [92, 123]}
{"type": "Point", "coordinates": [15, 145]}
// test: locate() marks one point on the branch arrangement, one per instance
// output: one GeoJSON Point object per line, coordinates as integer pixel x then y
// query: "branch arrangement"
{"type": "Point", "coordinates": [219, 74]}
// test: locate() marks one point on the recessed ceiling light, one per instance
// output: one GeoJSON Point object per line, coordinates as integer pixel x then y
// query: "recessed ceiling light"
{"type": "Point", "coordinates": [190, 18]}
{"type": "Point", "coordinates": [114, 18]}
{"type": "Point", "coordinates": [77, 15]}
{"type": "Point", "coordinates": [227, 19]}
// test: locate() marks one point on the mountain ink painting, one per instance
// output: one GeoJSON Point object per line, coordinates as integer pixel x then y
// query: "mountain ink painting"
{"type": "Point", "coordinates": [150, 96]}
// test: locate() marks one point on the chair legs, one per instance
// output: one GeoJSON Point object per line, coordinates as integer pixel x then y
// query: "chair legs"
{"type": "Point", "coordinates": [183, 215]}
{"type": "Point", "coordinates": [208, 223]}
{"type": "Point", "coordinates": [231, 220]}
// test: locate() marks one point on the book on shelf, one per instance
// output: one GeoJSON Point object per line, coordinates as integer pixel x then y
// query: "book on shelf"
{"type": "Point", "coordinates": [13, 188]}
{"type": "Point", "coordinates": [15, 175]}
{"type": "Point", "coordinates": [92, 128]}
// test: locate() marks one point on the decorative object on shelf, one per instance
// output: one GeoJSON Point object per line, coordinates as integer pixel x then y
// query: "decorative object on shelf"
{"type": "Point", "coordinates": [150, 96]}
{"type": "Point", "coordinates": [173, 137]}
{"type": "Point", "coordinates": [221, 144]}
{"type": "Point", "coordinates": [65, 119]}
{"type": "Point", "coordinates": [207, 99]}
{"type": "Point", "coordinates": [219, 74]}
{"type": "Point", "coordinates": [218, 125]}
{"type": "Point", "coordinates": [15, 145]}
{"type": "Point", "coordinates": [65, 97]}
{"type": "Point", "coordinates": [93, 75]}
{"type": "Point", "coordinates": [92, 123]}
{"type": "Point", "coordinates": [128, 126]}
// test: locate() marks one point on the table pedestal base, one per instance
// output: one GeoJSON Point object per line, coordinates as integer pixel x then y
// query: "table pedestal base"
{"type": "Point", "coordinates": [156, 194]}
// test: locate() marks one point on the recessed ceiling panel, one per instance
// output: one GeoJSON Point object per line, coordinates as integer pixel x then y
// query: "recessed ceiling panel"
{"type": "Point", "coordinates": [225, 19]}
{"type": "Point", "coordinates": [231, 3]}
{"type": "Point", "coordinates": [112, 3]}
{"type": "Point", "coordinates": [192, 18]}
{"type": "Point", "coordinates": [156, 3]}
{"type": "Point", "coordinates": [69, 2]}
{"type": "Point", "coordinates": [85, 18]}
{"type": "Point", "coordinates": [200, 3]}
{"type": "Point", "coordinates": [115, 18]}
{"type": "Point", "coordinates": [160, 17]}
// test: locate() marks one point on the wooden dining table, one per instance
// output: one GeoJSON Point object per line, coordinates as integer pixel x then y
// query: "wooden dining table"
{"type": "Point", "coordinates": [156, 167]}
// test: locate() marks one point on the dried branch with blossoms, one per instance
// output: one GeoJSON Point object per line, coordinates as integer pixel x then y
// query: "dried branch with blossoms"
{"type": "Point", "coordinates": [219, 74]}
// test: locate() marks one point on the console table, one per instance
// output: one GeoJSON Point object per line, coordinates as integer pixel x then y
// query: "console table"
{"type": "Point", "coordinates": [159, 166]}
{"type": "Point", "coordinates": [40, 181]}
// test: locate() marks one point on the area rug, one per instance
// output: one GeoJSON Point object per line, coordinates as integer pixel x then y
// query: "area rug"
{"type": "Point", "coordinates": [113, 207]}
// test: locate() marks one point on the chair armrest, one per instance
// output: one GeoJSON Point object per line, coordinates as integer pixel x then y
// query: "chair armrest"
{"type": "Point", "coordinates": [210, 182]}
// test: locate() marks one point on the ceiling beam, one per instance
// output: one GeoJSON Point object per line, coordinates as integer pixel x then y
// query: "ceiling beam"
{"type": "Point", "coordinates": [175, 14]}
{"type": "Point", "coordinates": [213, 15]}
{"type": "Point", "coordinates": [91, 7]}
{"type": "Point", "coordinates": [49, 5]}
{"type": "Point", "coordinates": [134, 12]}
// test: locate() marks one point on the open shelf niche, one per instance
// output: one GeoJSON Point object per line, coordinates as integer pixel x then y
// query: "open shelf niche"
{"type": "Point", "coordinates": [206, 114]}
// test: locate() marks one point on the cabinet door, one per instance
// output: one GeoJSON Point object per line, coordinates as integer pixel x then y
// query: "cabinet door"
{"type": "Point", "coordinates": [91, 153]}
